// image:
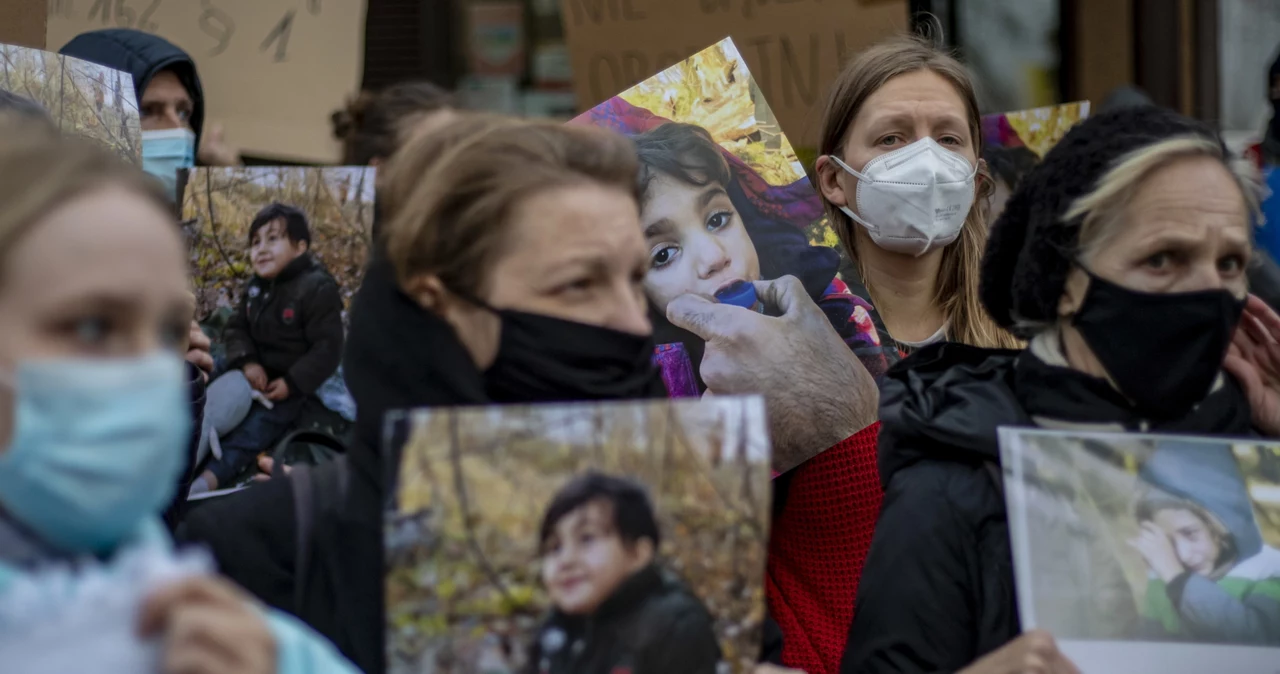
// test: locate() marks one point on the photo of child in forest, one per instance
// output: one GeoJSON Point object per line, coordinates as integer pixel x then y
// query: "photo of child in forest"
{"type": "Point", "coordinates": [592, 537]}
{"type": "Point", "coordinates": [285, 338]}
{"type": "Point", "coordinates": [1157, 550]}
{"type": "Point", "coordinates": [75, 96]}
{"type": "Point", "coordinates": [725, 202]}
{"type": "Point", "coordinates": [276, 255]}
{"type": "Point", "coordinates": [1212, 576]}
{"type": "Point", "coordinates": [599, 543]}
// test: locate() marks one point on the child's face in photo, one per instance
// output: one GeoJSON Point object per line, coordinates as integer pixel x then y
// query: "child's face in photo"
{"type": "Point", "coordinates": [271, 250]}
{"type": "Point", "coordinates": [697, 241]}
{"type": "Point", "coordinates": [584, 560]}
{"type": "Point", "coordinates": [1193, 541]}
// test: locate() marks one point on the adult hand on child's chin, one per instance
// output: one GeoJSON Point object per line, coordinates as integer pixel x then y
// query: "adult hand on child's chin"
{"type": "Point", "coordinates": [1032, 653]}
{"type": "Point", "coordinates": [817, 391]}
{"type": "Point", "coordinates": [277, 391]}
{"type": "Point", "coordinates": [1254, 360]}
{"type": "Point", "coordinates": [208, 625]}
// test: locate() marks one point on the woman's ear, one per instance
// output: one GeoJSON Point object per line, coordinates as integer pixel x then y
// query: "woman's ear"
{"type": "Point", "coordinates": [429, 292]}
{"type": "Point", "coordinates": [828, 173]}
{"type": "Point", "coordinates": [1073, 292]}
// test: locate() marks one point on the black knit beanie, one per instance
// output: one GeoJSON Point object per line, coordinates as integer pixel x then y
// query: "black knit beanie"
{"type": "Point", "coordinates": [1031, 250]}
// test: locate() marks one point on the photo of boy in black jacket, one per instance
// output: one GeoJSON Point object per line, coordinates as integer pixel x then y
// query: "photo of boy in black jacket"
{"type": "Point", "coordinates": [614, 607]}
{"type": "Point", "coordinates": [286, 335]}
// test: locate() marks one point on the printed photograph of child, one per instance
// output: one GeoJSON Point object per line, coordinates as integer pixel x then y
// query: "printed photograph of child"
{"type": "Point", "coordinates": [619, 537]}
{"type": "Point", "coordinates": [725, 201]}
{"type": "Point", "coordinates": [277, 253]}
{"type": "Point", "coordinates": [599, 544]}
{"type": "Point", "coordinates": [73, 95]}
{"type": "Point", "coordinates": [1147, 543]}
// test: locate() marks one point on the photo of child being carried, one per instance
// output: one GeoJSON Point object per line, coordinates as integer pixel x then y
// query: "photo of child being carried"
{"type": "Point", "coordinates": [1123, 542]}
{"type": "Point", "coordinates": [619, 537]}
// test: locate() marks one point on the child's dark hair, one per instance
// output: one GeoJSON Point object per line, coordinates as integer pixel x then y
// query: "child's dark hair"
{"type": "Point", "coordinates": [1009, 164]}
{"type": "Point", "coordinates": [370, 125]}
{"type": "Point", "coordinates": [633, 516]}
{"type": "Point", "coordinates": [685, 152]}
{"type": "Point", "coordinates": [295, 222]}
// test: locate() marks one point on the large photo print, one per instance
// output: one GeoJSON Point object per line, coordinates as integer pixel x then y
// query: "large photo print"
{"type": "Point", "coordinates": [276, 254]}
{"type": "Point", "coordinates": [1151, 553]}
{"type": "Point", "coordinates": [606, 537]}
{"type": "Point", "coordinates": [79, 97]}
{"type": "Point", "coordinates": [725, 202]}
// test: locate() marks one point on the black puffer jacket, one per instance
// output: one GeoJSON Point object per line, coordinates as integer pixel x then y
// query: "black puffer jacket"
{"type": "Point", "coordinates": [937, 591]}
{"type": "Point", "coordinates": [652, 624]}
{"type": "Point", "coordinates": [290, 325]}
{"type": "Point", "coordinates": [143, 56]}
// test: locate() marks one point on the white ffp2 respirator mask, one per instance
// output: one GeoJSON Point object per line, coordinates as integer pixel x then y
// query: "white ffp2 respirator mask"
{"type": "Point", "coordinates": [915, 199]}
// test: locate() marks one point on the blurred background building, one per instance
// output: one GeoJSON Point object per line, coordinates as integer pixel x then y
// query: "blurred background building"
{"type": "Point", "coordinates": [1207, 58]}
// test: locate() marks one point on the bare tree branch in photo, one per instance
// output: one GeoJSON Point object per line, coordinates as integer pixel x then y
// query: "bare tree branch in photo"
{"type": "Point", "coordinates": [94, 109]}
{"type": "Point", "coordinates": [62, 90]}
{"type": "Point", "coordinates": [213, 220]}
{"type": "Point", "coordinates": [460, 486]}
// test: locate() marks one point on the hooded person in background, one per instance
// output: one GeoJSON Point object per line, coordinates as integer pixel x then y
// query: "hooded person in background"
{"type": "Point", "coordinates": [1211, 575]}
{"type": "Point", "coordinates": [1271, 140]}
{"type": "Point", "coordinates": [170, 99]}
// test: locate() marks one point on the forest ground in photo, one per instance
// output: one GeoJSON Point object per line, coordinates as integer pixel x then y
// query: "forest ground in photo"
{"type": "Point", "coordinates": [81, 97]}
{"type": "Point", "coordinates": [463, 588]}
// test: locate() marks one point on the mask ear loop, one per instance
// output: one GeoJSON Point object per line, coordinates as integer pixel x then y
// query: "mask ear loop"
{"type": "Point", "coordinates": [861, 178]}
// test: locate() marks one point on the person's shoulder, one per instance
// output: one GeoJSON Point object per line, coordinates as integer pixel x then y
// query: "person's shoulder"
{"type": "Point", "coordinates": [940, 492]}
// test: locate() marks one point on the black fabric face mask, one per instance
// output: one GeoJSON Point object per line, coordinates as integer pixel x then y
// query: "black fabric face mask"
{"type": "Point", "coordinates": [545, 359]}
{"type": "Point", "coordinates": [1163, 351]}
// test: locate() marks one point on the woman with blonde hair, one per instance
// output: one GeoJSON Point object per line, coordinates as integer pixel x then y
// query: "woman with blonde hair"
{"type": "Point", "coordinates": [94, 411]}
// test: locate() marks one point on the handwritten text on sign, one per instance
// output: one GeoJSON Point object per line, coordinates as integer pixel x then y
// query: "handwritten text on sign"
{"type": "Point", "coordinates": [794, 48]}
{"type": "Point", "coordinates": [272, 70]}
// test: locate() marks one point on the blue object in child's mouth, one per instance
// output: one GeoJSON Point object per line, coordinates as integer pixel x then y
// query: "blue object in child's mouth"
{"type": "Point", "coordinates": [740, 294]}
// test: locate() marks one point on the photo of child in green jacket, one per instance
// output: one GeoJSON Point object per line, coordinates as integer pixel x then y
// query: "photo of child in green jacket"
{"type": "Point", "coordinates": [1212, 576]}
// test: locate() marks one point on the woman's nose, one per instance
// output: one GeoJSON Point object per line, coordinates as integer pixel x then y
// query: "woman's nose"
{"type": "Point", "coordinates": [631, 313]}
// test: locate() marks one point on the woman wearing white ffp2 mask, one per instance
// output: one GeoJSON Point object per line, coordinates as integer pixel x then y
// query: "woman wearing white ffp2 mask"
{"type": "Point", "coordinates": [904, 188]}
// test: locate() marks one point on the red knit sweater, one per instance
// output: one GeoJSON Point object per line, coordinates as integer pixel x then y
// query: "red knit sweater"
{"type": "Point", "coordinates": [816, 551]}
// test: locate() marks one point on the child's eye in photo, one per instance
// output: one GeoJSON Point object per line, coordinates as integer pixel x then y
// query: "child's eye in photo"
{"type": "Point", "coordinates": [719, 220]}
{"type": "Point", "coordinates": [664, 254]}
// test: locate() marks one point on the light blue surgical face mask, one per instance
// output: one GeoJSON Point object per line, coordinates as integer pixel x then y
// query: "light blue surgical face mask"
{"type": "Point", "coordinates": [97, 447]}
{"type": "Point", "coordinates": [165, 152]}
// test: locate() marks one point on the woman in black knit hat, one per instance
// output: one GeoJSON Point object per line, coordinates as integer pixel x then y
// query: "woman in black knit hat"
{"type": "Point", "coordinates": [1121, 258]}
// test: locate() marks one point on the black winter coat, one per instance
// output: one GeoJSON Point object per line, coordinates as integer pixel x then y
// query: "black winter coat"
{"type": "Point", "coordinates": [937, 590]}
{"type": "Point", "coordinates": [290, 325]}
{"type": "Point", "coordinates": [652, 624]}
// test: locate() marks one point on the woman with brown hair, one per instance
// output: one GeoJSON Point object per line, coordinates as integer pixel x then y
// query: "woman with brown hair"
{"type": "Point", "coordinates": [511, 270]}
{"type": "Point", "coordinates": [904, 187]}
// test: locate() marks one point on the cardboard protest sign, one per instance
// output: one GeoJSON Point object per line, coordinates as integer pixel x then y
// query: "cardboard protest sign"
{"type": "Point", "coordinates": [795, 48]}
{"type": "Point", "coordinates": [236, 274]}
{"type": "Point", "coordinates": [1147, 553]}
{"type": "Point", "coordinates": [725, 191]}
{"type": "Point", "coordinates": [80, 97]}
{"type": "Point", "coordinates": [515, 527]}
{"type": "Point", "coordinates": [22, 22]}
{"type": "Point", "coordinates": [273, 71]}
